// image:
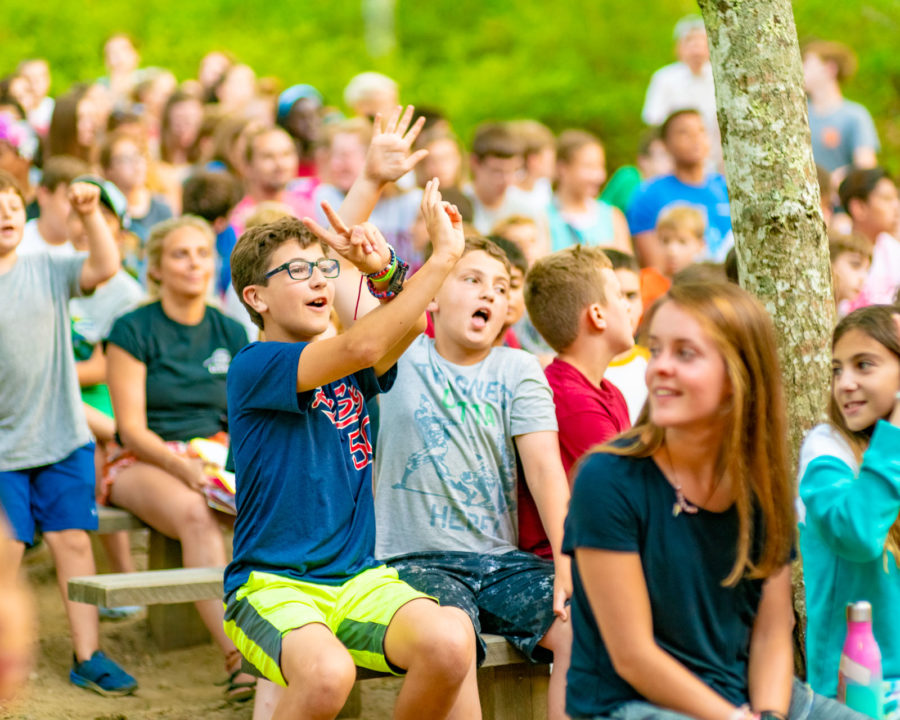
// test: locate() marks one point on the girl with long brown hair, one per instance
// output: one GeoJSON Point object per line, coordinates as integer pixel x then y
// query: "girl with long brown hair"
{"type": "Point", "coordinates": [73, 129]}
{"type": "Point", "coordinates": [682, 531]}
{"type": "Point", "coordinates": [850, 495]}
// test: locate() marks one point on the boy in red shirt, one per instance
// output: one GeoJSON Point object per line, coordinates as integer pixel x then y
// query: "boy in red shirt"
{"type": "Point", "coordinates": [575, 301]}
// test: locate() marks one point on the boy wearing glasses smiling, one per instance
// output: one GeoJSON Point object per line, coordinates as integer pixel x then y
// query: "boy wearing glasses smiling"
{"type": "Point", "coordinates": [305, 599]}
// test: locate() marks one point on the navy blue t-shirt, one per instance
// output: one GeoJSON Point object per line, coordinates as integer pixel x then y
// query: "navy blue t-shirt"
{"type": "Point", "coordinates": [625, 504]}
{"type": "Point", "coordinates": [303, 464]}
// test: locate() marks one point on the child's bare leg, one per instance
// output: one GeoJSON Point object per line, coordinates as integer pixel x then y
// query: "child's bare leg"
{"type": "Point", "coordinates": [11, 553]}
{"type": "Point", "coordinates": [117, 547]}
{"type": "Point", "coordinates": [319, 672]}
{"type": "Point", "coordinates": [16, 620]}
{"type": "Point", "coordinates": [559, 640]}
{"type": "Point", "coordinates": [437, 648]}
{"type": "Point", "coordinates": [268, 694]}
{"type": "Point", "coordinates": [72, 554]}
{"type": "Point", "coordinates": [165, 503]}
{"type": "Point", "coordinates": [468, 702]}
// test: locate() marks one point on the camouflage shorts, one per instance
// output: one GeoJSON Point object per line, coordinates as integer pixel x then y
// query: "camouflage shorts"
{"type": "Point", "coordinates": [508, 594]}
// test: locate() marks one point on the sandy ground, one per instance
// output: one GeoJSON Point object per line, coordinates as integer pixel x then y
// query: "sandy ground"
{"type": "Point", "coordinates": [176, 685]}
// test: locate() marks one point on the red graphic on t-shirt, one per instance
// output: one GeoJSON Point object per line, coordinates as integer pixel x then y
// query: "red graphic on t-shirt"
{"type": "Point", "coordinates": [350, 418]}
{"type": "Point", "coordinates": [831, 137]}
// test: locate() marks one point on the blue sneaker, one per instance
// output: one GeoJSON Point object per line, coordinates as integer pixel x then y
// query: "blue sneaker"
{"type": "Point", "coordinates": [102, 675]}
{"type": "Point", "coordinates": [119, 613]}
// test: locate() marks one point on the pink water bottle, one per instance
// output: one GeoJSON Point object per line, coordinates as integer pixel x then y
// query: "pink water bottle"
{"type": "Point", "coordinates": [860, 684]}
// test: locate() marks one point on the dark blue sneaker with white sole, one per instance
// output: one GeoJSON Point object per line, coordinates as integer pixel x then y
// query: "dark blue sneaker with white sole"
{"type": "Point", "coordinates": [102, 675]}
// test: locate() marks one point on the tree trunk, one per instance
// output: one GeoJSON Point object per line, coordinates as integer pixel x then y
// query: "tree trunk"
{"type": "Point", "coordinates": [782, 250]}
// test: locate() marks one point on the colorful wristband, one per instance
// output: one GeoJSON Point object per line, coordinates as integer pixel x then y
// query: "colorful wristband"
{"type": "Point", "coordinates": [395, 277]}
{"type": "Point", "coordinates": [381, 295]}
{"type": "Point", "coordinates": [387, 271]}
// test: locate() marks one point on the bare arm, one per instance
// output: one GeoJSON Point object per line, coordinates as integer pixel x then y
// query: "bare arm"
{"type": "Point", "coordinates": [375, 339]}
{"type": "Point", "coordinates": [102, 261]}
{"type": "Point", "coordinates": [621, 233]}
{"type": "Point", "coordinates": [101, 426]}
{"type": "Point", "coordinates": [547, 482]}
{"type": "Point", "coordinates": [387, 159]}
{"type": "Point", "coordinates": [617, 591]}
{"type": "Point", "coordinates": [864, 158]}
{"type": "Point", "coordinates": [93, 370]}
{"type": "Point", "coordinates": [391, 357]}
{"type": "Point", "coordinates": [771, 665]}
{"type": "Point", "coordinates": [127, 377]}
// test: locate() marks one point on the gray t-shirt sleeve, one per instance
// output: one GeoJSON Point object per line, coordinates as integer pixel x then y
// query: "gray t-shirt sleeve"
{"type": "Point", "coordinates": [532, 403]}
{"type": "Point", "coordinates": [66, 273]}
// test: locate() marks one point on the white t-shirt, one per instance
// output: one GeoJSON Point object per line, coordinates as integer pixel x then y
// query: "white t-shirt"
{"type": "Point", "coordinates": [515, 202]}
{"type": "Point", "coordinates": [675, 87]}
{"type": "Point", "coordinates": [629, 375]}
{"type": "Point", "coordinates": [33, 242]}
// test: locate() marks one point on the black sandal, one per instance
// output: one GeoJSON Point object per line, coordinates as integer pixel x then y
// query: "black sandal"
{"type": "Point", "coordinates": [237, 692]}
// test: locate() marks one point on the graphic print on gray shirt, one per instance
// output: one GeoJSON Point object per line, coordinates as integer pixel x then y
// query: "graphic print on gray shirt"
{"type": "Point", "coordinates": [445, 467]}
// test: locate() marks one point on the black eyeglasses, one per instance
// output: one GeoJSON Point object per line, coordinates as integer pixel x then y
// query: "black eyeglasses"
{"type": "Point", "coordinates": [302, 269]}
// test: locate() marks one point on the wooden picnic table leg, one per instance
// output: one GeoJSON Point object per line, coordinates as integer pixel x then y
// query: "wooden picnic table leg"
{"type": "Point", "coordinates": [176, 625]}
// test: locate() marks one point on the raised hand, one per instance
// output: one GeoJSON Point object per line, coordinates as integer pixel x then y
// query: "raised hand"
{"type": "Point", "coordinates": [388, 158]}
{"type": "Point", "coordinates": [85, 197]}
{"type": "Point", "coordinates": [444, 222]}
{"type": "Point", "coordinates": [363, 245]}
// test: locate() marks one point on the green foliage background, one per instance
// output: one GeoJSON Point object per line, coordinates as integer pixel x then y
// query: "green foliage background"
{"type": "Point", "coordinates": [570, 63]}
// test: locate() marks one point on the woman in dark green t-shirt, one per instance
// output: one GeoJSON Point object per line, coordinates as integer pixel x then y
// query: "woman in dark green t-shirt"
{"type": "Point", "coordinates": [167, 363]}
{"type": "Point", "coordinates": [682, 531]}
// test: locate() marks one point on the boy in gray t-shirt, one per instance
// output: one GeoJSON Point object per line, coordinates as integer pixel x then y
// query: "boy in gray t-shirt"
{"type": "Point", "coordinates": [46, 459]}
{"type": "Point", "coordinates": [445, 470]}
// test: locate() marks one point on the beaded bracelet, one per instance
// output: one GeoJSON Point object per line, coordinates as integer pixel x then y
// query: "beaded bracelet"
{"type": "Point", "coordinates": [385, 273]}
{"type": "Point", "coordinates": [384, 295]}
{"type": "Point", "coordinates": [396, 284]}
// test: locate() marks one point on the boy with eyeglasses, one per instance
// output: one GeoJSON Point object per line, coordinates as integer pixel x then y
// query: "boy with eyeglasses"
{"type": "Point", "coordinates": [305, 599]}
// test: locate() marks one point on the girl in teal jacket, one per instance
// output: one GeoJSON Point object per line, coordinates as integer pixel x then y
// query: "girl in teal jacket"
{"type": "Point", "coordinates": [850, 496]}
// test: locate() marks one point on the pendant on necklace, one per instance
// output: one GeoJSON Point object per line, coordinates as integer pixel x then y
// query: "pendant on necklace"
{"type": "Point", "coordinates": [681, 504]}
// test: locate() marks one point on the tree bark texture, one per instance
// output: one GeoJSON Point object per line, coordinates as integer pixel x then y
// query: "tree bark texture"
{"type": "Point", "coordinates": [780, 241]}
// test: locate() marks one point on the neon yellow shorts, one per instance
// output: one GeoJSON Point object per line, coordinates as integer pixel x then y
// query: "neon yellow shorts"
{"type": "Point", "coordinates": [268, 606]}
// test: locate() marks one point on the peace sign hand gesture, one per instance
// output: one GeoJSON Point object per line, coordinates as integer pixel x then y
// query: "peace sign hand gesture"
{"type": "Point", "coordinates": [363, 245]}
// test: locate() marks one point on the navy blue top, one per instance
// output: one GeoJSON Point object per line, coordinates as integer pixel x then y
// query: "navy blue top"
{"type": "Point", "coordinates": [625, 504]}
{"type": "Point", "coordinates": [303, 464]}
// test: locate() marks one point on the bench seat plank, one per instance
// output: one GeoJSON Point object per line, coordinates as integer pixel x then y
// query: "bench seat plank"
{"type": "Point", "coordinates": [151, 587]}
{"type": "Point", "coordinates": [112, 519]}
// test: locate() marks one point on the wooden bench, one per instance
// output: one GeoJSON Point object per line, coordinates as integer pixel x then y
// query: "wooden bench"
{"type": "Point", "coordinates": [112, 519]}
{"type": "Point", "coordinates": [511, 688]}
{"type": "Point", "coordinates": [174, 623]}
